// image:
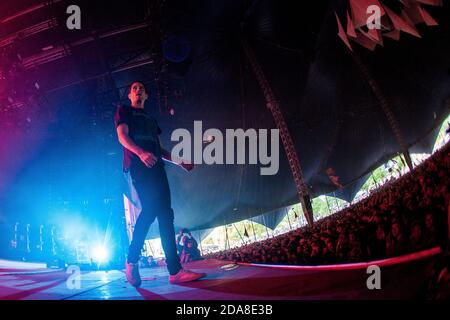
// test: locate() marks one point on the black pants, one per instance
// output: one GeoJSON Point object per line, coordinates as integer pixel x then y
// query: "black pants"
{"type": "Point", "coordinates": [153, 190]}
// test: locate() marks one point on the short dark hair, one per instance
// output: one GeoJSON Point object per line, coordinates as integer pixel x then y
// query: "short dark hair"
{"type": "Point", "coordinates": [137, 81]}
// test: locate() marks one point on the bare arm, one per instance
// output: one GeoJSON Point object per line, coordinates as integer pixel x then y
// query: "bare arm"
{"type": "Point", "coordinates": [146, 157]}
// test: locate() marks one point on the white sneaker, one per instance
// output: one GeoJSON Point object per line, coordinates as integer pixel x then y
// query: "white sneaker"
{"type": "Point", "coordinates": [185, 276]}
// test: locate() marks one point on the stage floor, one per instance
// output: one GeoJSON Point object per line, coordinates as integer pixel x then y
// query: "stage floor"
{"type": "Point", "coordinates": [225, 281]}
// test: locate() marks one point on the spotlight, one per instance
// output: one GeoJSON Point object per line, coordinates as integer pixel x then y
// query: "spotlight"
{"type": "Point", "coordinates": [99, 254]}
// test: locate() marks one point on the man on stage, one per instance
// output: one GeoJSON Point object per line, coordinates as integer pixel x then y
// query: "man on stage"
{"type": "Point", "coordinates": [143, 165]}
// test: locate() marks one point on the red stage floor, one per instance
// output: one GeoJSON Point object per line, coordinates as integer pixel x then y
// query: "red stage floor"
{"type": "Point", "coordinates": [225, 281]}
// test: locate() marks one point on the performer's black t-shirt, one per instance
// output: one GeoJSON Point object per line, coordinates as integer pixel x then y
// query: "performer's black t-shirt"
{"type": "Point", "coordinates": [142, 129]}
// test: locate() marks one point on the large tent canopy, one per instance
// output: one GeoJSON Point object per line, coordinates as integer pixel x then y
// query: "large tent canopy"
{"type": "Point", "coordinates": [59, 90]}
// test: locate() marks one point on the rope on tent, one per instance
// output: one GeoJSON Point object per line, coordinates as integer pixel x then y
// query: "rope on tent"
{"type": "Point", "coordinates": [331, 145]}
{"type": "Point", "coordinates": [328, 204]}
{"type": "Point", "coordinates": [243, 242]}
{"type": "Point", "coordinates": [337, 203]}
{"type": "Point", "coordinates": [244, 126]}
{"type": "Point", "coordinates": [265, 225]}
{"type": "Point", "coordinates": [253, 228]}
{"type": "Point", "coordinates": [289, 220]}
{"type": "Point", "coordinates": [385, 106]}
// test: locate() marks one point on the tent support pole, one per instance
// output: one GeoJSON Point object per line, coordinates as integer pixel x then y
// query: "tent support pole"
{"type": "Point", "coordinates": [226, 238]}
{"type": "Point", "coordinates": [288, 144]}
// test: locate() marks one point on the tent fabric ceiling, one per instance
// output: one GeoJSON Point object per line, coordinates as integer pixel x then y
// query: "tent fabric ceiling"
{"type": "Point", "coordinates": [271, 219]}
{"type": "Point", "coordinates": [332, 115]}
{"type": "Point", "coordinates": [200, 235]}
{"type": "Point", "coordinates": [349, 192]}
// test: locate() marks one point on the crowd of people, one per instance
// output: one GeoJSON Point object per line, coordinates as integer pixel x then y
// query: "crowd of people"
{"type": "Point", "coordinates": [187, 246]}
{"type": "Point", "coordinates": [404, 216]}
